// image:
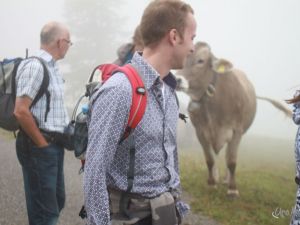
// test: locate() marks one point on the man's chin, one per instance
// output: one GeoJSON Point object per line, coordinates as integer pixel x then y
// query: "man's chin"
{"type": "Point", "coordinates": [177, 67]}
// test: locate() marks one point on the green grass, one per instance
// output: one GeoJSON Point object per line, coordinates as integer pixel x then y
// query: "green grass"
{"type": "Point", "coordinates": [265, 179]}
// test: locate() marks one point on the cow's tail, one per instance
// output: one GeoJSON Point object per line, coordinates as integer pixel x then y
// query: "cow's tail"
{"type": "Point", "coordinates": [278, 105]}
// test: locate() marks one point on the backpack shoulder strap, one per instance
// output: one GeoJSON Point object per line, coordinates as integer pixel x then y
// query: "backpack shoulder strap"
{"type": "Point", "coordinates": [139, 98]}
{"type": "Point", "coordinates": [44, 87]}
{"type": "Point", "coordinates": [137, 110]}
{"type": "Point", "coordinates": [139, 95]}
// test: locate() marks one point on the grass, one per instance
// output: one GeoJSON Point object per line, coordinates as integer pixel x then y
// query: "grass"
{"type": "Point", "coordinates": [265, 179]}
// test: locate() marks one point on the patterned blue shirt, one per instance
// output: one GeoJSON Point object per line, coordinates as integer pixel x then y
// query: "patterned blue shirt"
{"type": "Point", "coordinates": [156, 160]}
{"type": "Point", "coordinates": [296, 118]}
{"type": "Point", "coordinates": [29, 79]}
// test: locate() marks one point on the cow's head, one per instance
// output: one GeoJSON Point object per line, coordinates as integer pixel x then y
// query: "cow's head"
{"type": "Point", "coordinates": [200, 66]}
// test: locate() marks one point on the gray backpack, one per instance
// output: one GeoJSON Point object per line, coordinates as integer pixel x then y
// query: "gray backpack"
{"type": "Point", "coordinates": [8, 70]}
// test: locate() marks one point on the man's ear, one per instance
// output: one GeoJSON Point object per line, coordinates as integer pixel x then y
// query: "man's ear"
{"type": "Point", "coordinates": [173, 36]}
{"type": "Point", "coordinates": [222, 66]}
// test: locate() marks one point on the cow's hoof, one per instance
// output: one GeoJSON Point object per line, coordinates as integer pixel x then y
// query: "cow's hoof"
{"type": "Point", "coordinates": [233, 193]}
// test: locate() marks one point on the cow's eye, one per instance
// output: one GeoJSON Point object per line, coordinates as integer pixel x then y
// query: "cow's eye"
{"type": "Point", "coordinates": [200, 61]}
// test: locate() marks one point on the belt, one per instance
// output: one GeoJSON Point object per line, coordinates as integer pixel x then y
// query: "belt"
{"type": "Point", "coordinates": [53, 137]}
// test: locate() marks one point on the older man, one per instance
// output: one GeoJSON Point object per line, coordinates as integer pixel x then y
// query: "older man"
{"type": "Point", "coordinates": [39, 147]}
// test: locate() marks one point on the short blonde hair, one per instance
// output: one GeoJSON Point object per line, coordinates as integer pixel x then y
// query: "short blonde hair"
{"type": "Point", "coordinates": [160, 17]}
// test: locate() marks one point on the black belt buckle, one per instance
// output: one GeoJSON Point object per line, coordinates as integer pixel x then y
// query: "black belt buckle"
{"type": "Point", "coordinates": [297, 180]}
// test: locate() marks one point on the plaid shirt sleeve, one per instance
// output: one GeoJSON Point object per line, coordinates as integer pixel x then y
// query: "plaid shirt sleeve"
{"type": "Point", "coordinates": [29, 78]}
{"type": "Point", "coordinates": [108, 119]}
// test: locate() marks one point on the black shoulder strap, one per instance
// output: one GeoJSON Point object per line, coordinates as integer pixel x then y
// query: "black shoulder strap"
{"type": "Point", "coordinates": [124, 200]}
{"type": "Point", "coordinates": [44, 88]}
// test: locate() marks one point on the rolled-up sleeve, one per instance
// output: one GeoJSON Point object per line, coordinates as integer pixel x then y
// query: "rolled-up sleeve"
{"type": "Point", "coordinates": [108, 119]}
{"type": "Point", "coordinates": [29, 78]}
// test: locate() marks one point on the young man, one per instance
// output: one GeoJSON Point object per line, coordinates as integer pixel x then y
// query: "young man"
{"type": "Point", "coordinates": [39, 143]}
{"type": "Point", "coordinates": [148, 196]}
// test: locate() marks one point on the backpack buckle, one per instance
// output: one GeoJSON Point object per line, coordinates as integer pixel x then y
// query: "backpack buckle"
{"type": "Point", "coordinates": [141, 90]}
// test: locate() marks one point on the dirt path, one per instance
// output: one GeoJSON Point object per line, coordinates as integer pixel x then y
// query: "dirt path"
{"type": "Point", "coordinates": [12, 201]}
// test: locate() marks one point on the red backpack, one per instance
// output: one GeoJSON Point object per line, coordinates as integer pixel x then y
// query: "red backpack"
{"type": "Point", "coordinates": [78, 125]}
{"type": "Point", "coordinates": [139, 97]}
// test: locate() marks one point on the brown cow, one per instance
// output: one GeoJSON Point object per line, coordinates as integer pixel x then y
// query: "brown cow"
{"type": "Point", "coordinates": [222, 107]}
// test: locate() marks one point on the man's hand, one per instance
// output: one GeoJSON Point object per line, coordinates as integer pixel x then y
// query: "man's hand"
{"type": "Point", "coordinates": [27, 122]}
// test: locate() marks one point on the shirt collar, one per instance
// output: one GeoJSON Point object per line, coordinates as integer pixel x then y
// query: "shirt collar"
{"type": "Point", "coordinates": [45, 56]}
{"type": "Point", "coordinates": [150, 76]}
{"type": "Point", "coordinates": [170, 80]}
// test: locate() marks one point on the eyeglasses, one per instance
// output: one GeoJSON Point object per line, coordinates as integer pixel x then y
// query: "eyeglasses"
{"type": "Point", "coordinates": [68, 41]}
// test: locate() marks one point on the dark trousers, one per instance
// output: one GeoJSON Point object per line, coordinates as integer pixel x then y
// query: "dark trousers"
{"type": "Point", "coordinates": [43, 180]}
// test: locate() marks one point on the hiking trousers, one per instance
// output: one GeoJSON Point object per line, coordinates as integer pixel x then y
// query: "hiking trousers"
{"type": "Point", "coordinates": [43, 180]}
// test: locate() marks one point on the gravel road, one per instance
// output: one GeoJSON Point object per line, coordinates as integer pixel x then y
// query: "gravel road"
{"type": "Point", "coordinates": [12, 199]}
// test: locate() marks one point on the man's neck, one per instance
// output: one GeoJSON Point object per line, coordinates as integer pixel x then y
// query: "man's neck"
{"type": "Point", "coordinates": [52, 52]}
{"type": "Point", "coordinates": [158, 59]}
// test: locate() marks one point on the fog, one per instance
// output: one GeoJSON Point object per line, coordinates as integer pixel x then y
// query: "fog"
{"type": "Point", "coordinates": [260, 37]}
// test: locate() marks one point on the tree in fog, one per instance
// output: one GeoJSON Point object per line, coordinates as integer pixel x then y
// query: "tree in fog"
{"type": "Point", "coordinates": [96, 29]}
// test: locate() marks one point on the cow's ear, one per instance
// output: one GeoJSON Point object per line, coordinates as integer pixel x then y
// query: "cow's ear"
{"type": "Point", "coordinates": [222, 66]}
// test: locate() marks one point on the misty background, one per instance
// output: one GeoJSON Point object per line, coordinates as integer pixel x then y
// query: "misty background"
{"type": "Point", "coordinates": [260, 37]}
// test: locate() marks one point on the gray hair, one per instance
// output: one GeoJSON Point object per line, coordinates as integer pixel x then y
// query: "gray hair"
{"type": "Point", "coordinates": [50, 32]}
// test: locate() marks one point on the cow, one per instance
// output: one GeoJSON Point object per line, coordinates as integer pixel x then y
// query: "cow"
{"type": "Point", "coordinates": [222, 107]}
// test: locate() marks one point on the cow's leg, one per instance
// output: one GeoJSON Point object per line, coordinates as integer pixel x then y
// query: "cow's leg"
{"type": "Point", "coordinates": [210, 160]}
{"type": "Point", "coordinates": [226, 178]}
{"type": "Point", "coordinates": [216, 173]}
{"type": "Point", "coordinates": [231, 158]}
